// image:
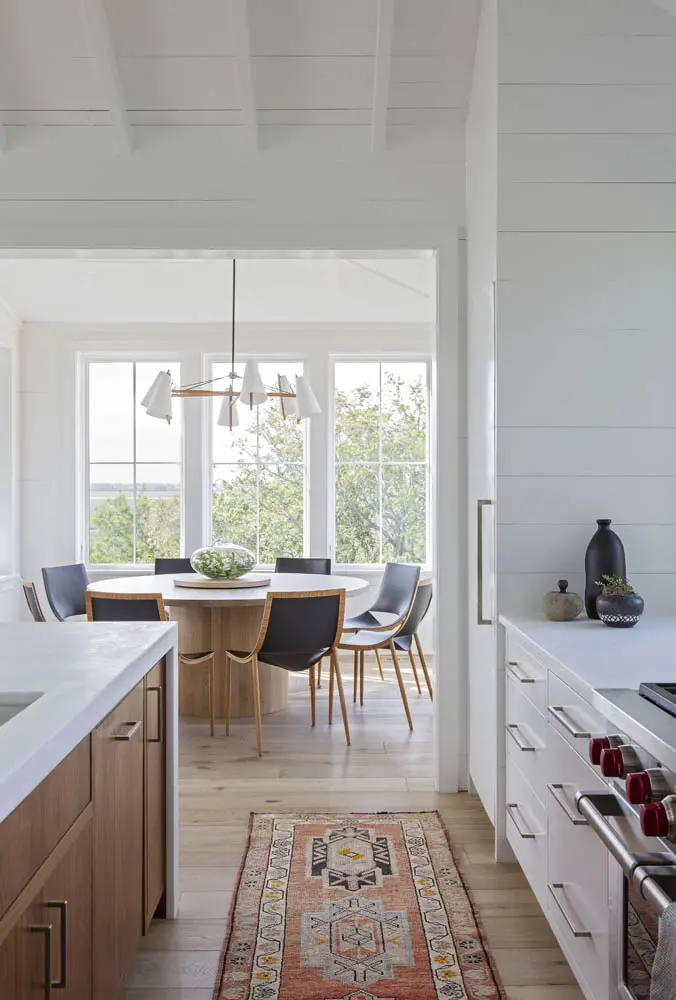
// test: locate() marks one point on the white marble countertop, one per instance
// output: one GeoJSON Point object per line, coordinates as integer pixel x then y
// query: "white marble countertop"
{"type": "Point", "coordinates": [606, 666]}
{"type": "Point", "coordinates": [82, 671]}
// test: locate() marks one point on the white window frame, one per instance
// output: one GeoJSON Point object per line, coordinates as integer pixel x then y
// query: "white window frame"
{"type": "Point", "coordinates": [382, 358]}
{"type": "Point", "coordinates": [85, 360]}
{"type": "Point", "coordinates": [263, 359]}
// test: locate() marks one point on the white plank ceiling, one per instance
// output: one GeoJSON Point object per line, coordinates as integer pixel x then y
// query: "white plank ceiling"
{"type": "Point", "coordinates": [238, 63]}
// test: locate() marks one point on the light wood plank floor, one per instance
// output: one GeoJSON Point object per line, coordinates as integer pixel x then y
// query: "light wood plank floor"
{"type": "Point", "coordinates": [222, 781]}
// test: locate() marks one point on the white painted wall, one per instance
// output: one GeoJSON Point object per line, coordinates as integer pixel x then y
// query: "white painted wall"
{"type": "Point", "coordinates": [51, 487]}
{"type": "Point", "coordinates": [586, 293]}
{"type": "Point", "coordinates": [9, 464]}
{"type": "Point", "coordinates": [482, 213]}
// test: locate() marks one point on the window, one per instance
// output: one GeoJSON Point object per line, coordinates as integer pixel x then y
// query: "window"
{"type": "Point", "coordinates": [258, 491]}
{"type": "Point", "coordinates": [381, 461]}
{"type": "Point", "coordinates": [134, 468]}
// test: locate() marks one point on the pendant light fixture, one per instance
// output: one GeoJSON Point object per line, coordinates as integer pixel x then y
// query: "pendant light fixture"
{"type": "Point", "coordinates": [299, 401]}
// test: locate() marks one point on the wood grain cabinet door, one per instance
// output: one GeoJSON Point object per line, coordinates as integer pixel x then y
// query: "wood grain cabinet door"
{"type": "Point", "coordinates": [118, 776]}
{"type": "Point", "coordinates": [154, 746]}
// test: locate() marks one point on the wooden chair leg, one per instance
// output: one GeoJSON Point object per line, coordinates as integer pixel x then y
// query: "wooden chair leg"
{"type": "Point", "coordinates": [313, 696]}
{"type": "Point", "coordinates": [402, 689]}
{"type": "Point", "coordinates": [356, 674]}
{"type": "Point", "coordinates": [415, 670]}
{"type": "Point", "coordinates": [361, 677]}
{"type": "Point", "coordinates": [319, 674]}
{"type": "Point", "coordinates": [341, 694]}
{"type": "Point", "coordinates": [380, 666]}
{"type": "Point", "coordinates": [257, 704]}
{"type": "Point", "coordinates": [418, 646]}
{"type": "Point", "coordinates": [331, 677]}
{"type": "Point", "coordinates": [228, 669]}
{"type": "Point", "coordinates": [212, 694]}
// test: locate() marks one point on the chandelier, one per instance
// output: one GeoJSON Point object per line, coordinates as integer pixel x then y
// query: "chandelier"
{"type": "Point", "coordinates": [297, 401]}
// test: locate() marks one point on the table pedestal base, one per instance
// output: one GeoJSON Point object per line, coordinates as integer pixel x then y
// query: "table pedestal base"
{"type": "Point", "coordinates": [219, 628]}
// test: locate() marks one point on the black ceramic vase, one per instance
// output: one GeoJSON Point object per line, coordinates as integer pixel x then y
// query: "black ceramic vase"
{"type": "Point", "coordinates": [604, 557]}
{"type": "Point", "coordinates": [619, 610]}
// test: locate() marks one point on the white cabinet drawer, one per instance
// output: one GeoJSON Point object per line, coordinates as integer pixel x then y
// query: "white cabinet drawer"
{"type": "Point", "coordinates": [525, 735]}
{"type": "Point", "coordinates": [577, 870]}
{"type": "Point", "coordinates": [572, 717]}
{"type": "Point", "coordinates": [527, 830]}
{"type": "Point", "coordinates": [526, 671]}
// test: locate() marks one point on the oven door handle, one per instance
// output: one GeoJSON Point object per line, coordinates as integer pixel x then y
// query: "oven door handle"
{"type": "Point", "coordinates": [595, 807]}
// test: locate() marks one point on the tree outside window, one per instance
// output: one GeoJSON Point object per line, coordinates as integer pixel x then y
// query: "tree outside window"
{"type": "Point", "coordinates": [134, 473]}
{"type": "Point", "coordinates": [381, 462]}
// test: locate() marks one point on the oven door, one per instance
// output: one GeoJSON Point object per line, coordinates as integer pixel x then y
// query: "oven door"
{"type": "Point", "coordinates": [640, 924]}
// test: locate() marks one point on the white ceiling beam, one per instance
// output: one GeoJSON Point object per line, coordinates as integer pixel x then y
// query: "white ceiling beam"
{"type": "Point", "coordinates": [104, 52]}
{"type": "Point", "coordinates": [381, 79]}
{"type": "Point", "coordinates": [242, 48]}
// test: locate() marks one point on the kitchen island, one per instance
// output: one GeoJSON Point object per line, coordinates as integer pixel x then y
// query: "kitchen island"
{"type": "Point", "coordinates": [88, 801]}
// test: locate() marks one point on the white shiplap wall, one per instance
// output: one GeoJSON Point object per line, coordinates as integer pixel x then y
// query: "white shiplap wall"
{"type": "Point", "coordinates": [586, 292]}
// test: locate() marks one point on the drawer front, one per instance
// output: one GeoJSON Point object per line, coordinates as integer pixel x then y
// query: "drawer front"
{"type": "Point", "coordinates": [527, 672]}
{"type": "Point", "coordinates": [572, 717]}
{"type": "Point", "coordinates": [525, 734]}
{"type": "Point", "coordinates": [527, 830]}
{"type": "Point", "coordinates": [32, 831]}
{"type": "Point", "coordinates": [577, 870]}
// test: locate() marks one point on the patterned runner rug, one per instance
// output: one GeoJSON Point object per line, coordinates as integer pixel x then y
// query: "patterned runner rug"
{"type": "Point", "coordinates": [355, 906]}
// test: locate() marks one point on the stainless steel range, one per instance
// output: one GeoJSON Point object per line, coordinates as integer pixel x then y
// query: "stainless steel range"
{"type": "Point", "coordinates": [636, 821]}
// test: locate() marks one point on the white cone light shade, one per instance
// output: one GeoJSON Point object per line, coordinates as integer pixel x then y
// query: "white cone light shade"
{"type": "Point", "coordinates": [228, 415]}
{"type": "Point", "coordinates": [253, 389]}
{"type": "Point", "coordinates": [157, 400]}
{"type": "Point", "coordinates": [306, 401]}
{"type": "Point", "coordinates": [289, 407]}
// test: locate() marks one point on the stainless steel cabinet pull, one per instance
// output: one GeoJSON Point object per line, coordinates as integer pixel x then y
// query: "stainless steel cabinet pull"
{"type": "Point", "coordinates": [62, 907]}
{"type": "Point", "coordinates": [554, 887]}
{"type": "Point", "coordinates": [513, 811]}
{"type": "Point", "coordinates": [133, 728]}
{"type": "Point", "coordinates": [513, 729]}
{"type": "Point", "coordinates": [574, 818]}
{"type": "Point", "coordinates": [480, 620]}
{"type": "Point", "coordinates": [46, 930]}
{"type": "Point", "coordinates": [519, 674]}
{"type": "Point", "coordinates": [157, 689]}
{"type": "Point", "coordinates": [561, 716]}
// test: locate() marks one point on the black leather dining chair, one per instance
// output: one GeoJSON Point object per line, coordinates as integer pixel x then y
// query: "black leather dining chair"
{"type": "Point", "coordinates": [66, 587]}
{"type": "Point", "coordinates": [165, 565]}
{"type": "Point", "coordinates": [33, 601]}
{"type": "Point", "coordinates": [289, 564]}
{"type": "Point", "coordinates": [296, 632]}
{"type": "Point", "coordinates": [104, 607]}
{"type": "Point", "coordinates": [409, 634]}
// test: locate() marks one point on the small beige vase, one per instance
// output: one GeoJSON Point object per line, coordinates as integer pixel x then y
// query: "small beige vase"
{"type": "Point", "coordinates": [560, 606]}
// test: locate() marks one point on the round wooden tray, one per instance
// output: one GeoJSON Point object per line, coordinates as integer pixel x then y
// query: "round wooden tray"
{"type": "Point", "coordinates": [205, 583]}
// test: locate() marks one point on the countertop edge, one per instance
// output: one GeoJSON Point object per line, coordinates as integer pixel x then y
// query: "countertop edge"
{"type": "Point", "coordinates": [561, 669]}
{"type": "Point", "coordinates": [17, 785]}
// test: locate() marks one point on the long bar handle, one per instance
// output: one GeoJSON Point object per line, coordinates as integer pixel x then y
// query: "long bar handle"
{"type": "Point", "coordinates": [518, 674]}
{"type": "Point", "coordinates": [513, 812]}
{"type": "Point", "coordinates": [46, 931]}
{"type": "Point", "coordinates": [131, 729]}
{"type": "Point", "coordinates": [562, 717]}
{"type": "Point", "coordinates": [513, 729]}
{"type": "Point", "coordinates": [555, 887]}
{"type": "Point", "coordinates": [62, 906]}
{"type": "Point", "coordinates": [157, 689]}
{"type": "Point", "coordinates": [480, 620]}
{"type": "Point", "coordinates": [555, 789]}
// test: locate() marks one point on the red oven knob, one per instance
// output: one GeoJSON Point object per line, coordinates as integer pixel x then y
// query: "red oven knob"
{"type": "Point", "coordinates": [618, 761]}
{"type": "Point", "coordinates": [647, 786]}
{"type": "Point", "coordinates": [600, 743]}
{"type": "Point", "coordinates": [654, 820]}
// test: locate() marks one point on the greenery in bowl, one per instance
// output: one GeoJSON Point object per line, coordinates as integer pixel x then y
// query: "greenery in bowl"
{"type": "Point", "coordinates": [223, 561]}
{"type": "Point", "coordinates": [614, 586]}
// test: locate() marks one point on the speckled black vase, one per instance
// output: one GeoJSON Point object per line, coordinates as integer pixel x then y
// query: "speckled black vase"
{"type": "Point", "coordinates": [619, 610]}
{"type": "Point", "coordinates": [604, 557]}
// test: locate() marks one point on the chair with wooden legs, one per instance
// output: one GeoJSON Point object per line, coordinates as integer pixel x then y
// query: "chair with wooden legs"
{"type": "Point", "coordinates": [409, 634]}
{"type": "Point", "coordinates": [33, 601]}
{"type": "Point", "coordinates": [316, 566]}
{"type": "Point", "coordinates": [382, 637]}
{"type": "Point", "coordinates": [296, 632]}
{"type": "Point", "coordinates": [148, 608]}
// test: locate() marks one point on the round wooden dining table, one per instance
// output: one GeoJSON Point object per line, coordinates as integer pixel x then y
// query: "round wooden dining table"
{"type": "Point", "coordinates": [226, 619]}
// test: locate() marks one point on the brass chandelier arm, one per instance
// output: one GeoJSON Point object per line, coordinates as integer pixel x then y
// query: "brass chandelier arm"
{"type": "Point", "coordinates": [182, 393]}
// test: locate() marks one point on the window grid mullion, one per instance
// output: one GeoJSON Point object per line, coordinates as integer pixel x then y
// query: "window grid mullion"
{"type": "Point", "coordinates": [134, 471]}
